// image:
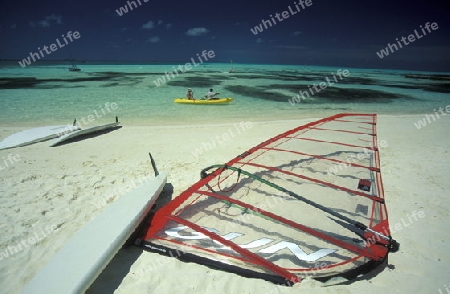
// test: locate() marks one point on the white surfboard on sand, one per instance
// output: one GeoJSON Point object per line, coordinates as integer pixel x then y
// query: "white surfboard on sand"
{"type": "Point", "coordinates": [35, 135]}
{"type": "Point", "coordinates": [76, 266]}
{"type": "Point", "coordinates": [83, 132]}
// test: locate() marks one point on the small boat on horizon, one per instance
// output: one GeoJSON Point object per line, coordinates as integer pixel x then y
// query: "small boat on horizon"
{"type": "Point", "coordinates": [232, 68]}
{"type": "Point", "coordinates": [73, 66]}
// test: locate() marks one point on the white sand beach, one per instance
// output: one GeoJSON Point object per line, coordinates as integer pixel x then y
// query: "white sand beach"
{"type": "Point", "coordinates": [49, 193]}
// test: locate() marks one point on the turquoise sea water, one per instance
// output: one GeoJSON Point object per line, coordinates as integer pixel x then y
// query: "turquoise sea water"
{"type": "Point", "coordinates": [50, 94]}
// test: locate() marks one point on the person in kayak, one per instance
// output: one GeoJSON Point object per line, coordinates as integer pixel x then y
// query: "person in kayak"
{"type": "Point", "coordinates": [210, 94]}
{"type": "Point", "coordinates": [190, 94]}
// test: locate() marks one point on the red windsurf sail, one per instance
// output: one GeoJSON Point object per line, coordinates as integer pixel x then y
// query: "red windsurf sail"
{"type": "Point", "coordinates": [306, 203]}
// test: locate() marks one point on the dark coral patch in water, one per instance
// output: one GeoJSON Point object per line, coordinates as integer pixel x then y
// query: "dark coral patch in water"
{"type": "Point", "coordinates": [257, 92]}
{"type": "Point", "coordinates": [123, 74]}
{"type": "Point", "coordinates": [404, 87]}
{"type": "Point", "coordinates": [438, 83]}
{"type": "Point", "coordinates": [429, 77]}
{"type": "Point", "coordinates": [439, 88]}
{"type": "Point", "coordinates": [110, 85]}
{"type": "Point", "coordinates": [23, 83]}
{"type": "Point", "coordinates": [17, 83]}
{"type": "Point", "coordinates": [32, 82]}
{"type": "Point", "coordinates": [335, 94]}
{"type": "Point", "coordinates": [353, 80]}
{"type": "Point", "coordinates": [330, 94]}
{"type": "Point", "coordinates": [276, 77]}
{"type": "Point", "coordinates": [435, 87]}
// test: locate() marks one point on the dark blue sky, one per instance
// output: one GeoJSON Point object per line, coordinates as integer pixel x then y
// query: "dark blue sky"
{"type": "Point", "coordinates": [345, 33]}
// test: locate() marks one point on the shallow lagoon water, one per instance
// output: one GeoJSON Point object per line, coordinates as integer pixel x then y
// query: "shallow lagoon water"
{"type": "Point", "coordinates": [50, 94]}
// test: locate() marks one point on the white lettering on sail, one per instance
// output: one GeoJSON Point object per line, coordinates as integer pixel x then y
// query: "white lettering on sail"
{"type": "Point", "coordinates": [257, 243]}
{"type": "Point", "coordinates": [294, 248]}
{"type": "Point", "coordinates": [173, 232]}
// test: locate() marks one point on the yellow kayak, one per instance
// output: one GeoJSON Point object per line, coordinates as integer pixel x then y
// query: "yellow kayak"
{"type": "Point", "coordinates": [200, 101]}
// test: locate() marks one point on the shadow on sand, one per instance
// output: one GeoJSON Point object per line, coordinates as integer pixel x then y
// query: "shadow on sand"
{"type": "Point", "coordinates": [88, 136]}
{"type": "Point", "coordinates": [119, 267]}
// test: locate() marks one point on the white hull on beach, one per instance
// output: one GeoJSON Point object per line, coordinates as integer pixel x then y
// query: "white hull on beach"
{"type": "Point", "coordinates": [35, 135]}
{"type": "Point", "coordinates": [83, 258]}
{"type": "Point", "coordinates": [82, 132]}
